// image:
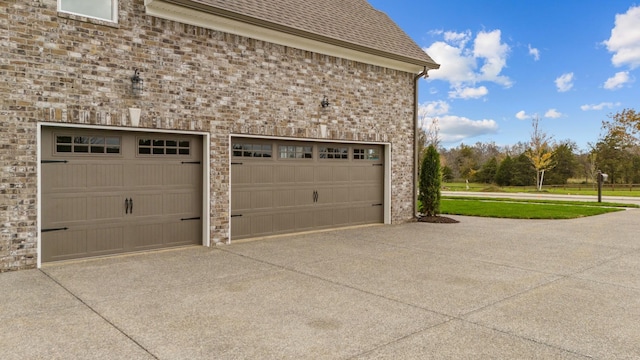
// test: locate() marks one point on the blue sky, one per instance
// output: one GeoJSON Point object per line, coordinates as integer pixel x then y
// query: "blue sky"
{"type": "Point", "coordinates": [571, 63]}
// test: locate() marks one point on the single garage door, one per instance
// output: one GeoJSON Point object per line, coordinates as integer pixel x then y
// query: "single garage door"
{"type": "Point", "coordinates": [285, 186]}
{"type": "Point", "coordinates": [108, 192]}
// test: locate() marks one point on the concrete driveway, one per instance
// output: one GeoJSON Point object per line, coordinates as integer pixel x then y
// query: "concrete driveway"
{"type": "Point", "coordinates": [480, 289]}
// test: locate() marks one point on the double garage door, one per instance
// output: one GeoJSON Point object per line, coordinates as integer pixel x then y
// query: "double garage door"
{"type": "Point", "coordinates": [108, 192]}
{"type": "Point", "coordinates": [282, 186]}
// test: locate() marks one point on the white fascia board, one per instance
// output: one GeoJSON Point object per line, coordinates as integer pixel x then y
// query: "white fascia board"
{"type": "Point", "coordinates": [164, 10]}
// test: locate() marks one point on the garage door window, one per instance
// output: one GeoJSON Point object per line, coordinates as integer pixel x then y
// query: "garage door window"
{"type": "Point", "coordinates": [252, 150]}
{"type": "Point", "coordinates": [163, 147]}
{"type": "Point", "coordinates": [334, 153]}
{"type": "Point", "coordinates": [87, 144]}
{"type": "Point", "coordinates": [295, 152]}
{"type": "Point", "coordinates": [366, 154]}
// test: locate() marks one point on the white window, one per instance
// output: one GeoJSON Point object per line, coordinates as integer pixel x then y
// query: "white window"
{"type": "Point", "coordinates": [97, 9]}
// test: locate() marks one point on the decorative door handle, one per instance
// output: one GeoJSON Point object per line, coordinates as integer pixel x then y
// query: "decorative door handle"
{"type": "Point", "coordinates": [128, 206]}
{"type": "Point", "coordinates": [315, 196]}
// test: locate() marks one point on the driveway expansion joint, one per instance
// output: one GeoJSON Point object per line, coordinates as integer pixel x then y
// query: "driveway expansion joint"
{"type": "Point", "coordinates": [109, 322]}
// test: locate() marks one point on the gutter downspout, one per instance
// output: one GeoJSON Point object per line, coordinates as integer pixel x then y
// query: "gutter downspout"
{"type": "Point", "coordinates": [416, 127]}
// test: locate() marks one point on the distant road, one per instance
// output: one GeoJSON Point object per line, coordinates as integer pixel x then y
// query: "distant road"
{"type": "Point", "coordinates": [592, 198]}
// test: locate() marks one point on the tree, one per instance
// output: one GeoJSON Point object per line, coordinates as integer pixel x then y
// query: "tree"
{"type": "Point", "coordinates": [430, 180]}
{"type": "Point", "coordinates": [504, 174]}
{"type": "Point", "coordinates": [625, 126]}
{"type": "Point", "coordinates": [565, 163]}
{"type": "Point", "coordinates": [523, 173]}
{"type": "Point", "coordinates": [613, 157]}
{"type": "Point", "coordinates": [617, 149]}
{"type": "Point", "coordinates": [540, 153]}
{"type": "Point", "coordinates": [466, 161]}
{"type": "Point", "coordinates": [447, 173]}
{"type": "Point", "coordinates": [487, 172]}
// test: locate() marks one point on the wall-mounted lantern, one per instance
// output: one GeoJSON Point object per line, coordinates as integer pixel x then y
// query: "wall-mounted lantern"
{"type": "Point", "coordinates": [137, 84]}
{"type": "Point", "coordinates": [325, 102]}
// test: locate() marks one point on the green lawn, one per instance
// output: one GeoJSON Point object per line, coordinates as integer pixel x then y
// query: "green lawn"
{"type": "Point", "coordinates": [570, 189]}
{"type": "Point", "coordinates": [527, 209]}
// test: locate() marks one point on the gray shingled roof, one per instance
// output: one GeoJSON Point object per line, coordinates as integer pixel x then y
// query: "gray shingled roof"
{"type": "Point", "coordinates": [349, 23]}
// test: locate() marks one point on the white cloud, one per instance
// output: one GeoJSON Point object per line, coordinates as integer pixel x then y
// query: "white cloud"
{"type": "Point", "coordinates": [433, 108]}
{"type": "Point", "coordinates": [468, 93]}
{"type": "Point", "coordinates": [464, 64]}
{"type": "Point", "coordinates": [455, 128]}
{"type": "Point", "coordinates": [534, 52]}
{"type": "Point", "coordinates": [617, 80]}
{"type": "Point", "coordinates": [553, 114]}
{"type": "Point", "coordinates": [488, 46]}
{"type": "Point", "coordinates": [521, 115]}
{"type": "Point", "coordinates": [564, 82]}
{"type": "Point", "coordinates": [624, 42]}
{"type": "Point", "coordinates": [600, 106]}
{"type": "Point", "coordinates": [459, 39]}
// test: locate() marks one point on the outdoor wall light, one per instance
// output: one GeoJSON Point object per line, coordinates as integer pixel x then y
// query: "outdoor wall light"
{"type": "Point", "coordinates": [325, 102]}
{"type": "Point", "coordinates": [137, 84]}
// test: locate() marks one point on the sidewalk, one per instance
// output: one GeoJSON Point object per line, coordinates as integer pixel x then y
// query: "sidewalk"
{"type": "Point", "coordinates": [480, 289]}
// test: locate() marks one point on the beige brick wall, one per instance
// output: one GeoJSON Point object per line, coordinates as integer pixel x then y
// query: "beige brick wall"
{"type": "Point", "coordinates": [61, 68]}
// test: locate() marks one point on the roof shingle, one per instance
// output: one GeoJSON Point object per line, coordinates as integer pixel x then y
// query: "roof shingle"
{"type": "Point", "coordinates": [351, 22]}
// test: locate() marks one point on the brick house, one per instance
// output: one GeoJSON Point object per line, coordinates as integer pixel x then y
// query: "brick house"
{"type": "Point", "coordinates": [132, 125]}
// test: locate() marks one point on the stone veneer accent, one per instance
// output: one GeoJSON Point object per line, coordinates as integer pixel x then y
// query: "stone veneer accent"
{"type": "Point", "coordinates": [62, 68]}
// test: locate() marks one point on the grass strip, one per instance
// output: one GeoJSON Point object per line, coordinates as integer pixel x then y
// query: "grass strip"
{"type": "Point", "coordinates": [545, 201]}
{"type": "Point", "coordinates": [520, 209]}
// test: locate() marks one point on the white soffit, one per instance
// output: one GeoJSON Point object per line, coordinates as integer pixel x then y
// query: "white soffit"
{"type": "Point", "coordinates": [164, 10]}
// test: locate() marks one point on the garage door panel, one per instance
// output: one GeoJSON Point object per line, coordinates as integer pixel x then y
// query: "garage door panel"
{"type": "Point", "coordinates": [105, 240]}
{"type": "Point", "coordinates": [284, 198]}
{"type": "Point", "coordinates": [358, 174]}
{"type": "Point", "coordinates": [147, 175]}
{"type": "Point", "coordinates": [340, 195]}
{"type": "Point", "coordinates": [62, 245]}
{"type": "Point", "coordinates": [284, 222]}
{"type": "Point", "coordinates": [106, 207]}
{"type": "Point", "coordinates": [304, 220]}
{"type": "Point", "coordinates": [241, 226]}
{"type": "Point", "coordinates": [340, 174]}
{"type": "Point", "coordinates": [148, 204]}
{"type": "Point", "coordinates": [341, 217]}
{"type": "Point", "coordinates": [318, 191]}
{"type": "Point", "coordinates": [105, 176]}
{"type": "Point", "coordinates": [304, 174]}
{"type": "Point", "coordinates": [65, 177]}
{"type": "Point", "coordinates": [241, 200]}
{"type": "Point", "coordinates": [323, 218]}
{"type": "Point", "coordinates": [262, 174]}
{"type": "Point", "coordinates": [324, 174]}
{"type": "Point", "coordinates": [284, 174]}
{"type": "Point", "coordinates": [261, 224]}
{"type": "Point", "coordinates": [117, 202]}
{"type": "Point", "coordinates": [146, 236]}
{"type": "Point", "coordinates": [181, 175]}
{"type": "Point", "coordinates": [241, 174]}
{"type": "Point", "coordinates": [65, 209]}
{"type": "Point", "coordinates": [357, 215]}
{"type": "Point", "coordinates": [262, 199]}
{"type": "Point", "coordinates": [181, 232]}
{"type": "Point", "coordinates": [181, 202]}
{"type": "Point", "coordinates": [373, 214]}
{"type": "Point", "coordinates": [303, 196]}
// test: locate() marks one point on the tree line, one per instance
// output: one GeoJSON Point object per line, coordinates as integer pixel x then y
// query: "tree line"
{"type": "Point", "coordinates": [543, 160]}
